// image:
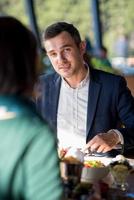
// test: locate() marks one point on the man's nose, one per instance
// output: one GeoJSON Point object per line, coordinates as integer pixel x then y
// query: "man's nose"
{"type": "Point", "coordinates": [61, 57]}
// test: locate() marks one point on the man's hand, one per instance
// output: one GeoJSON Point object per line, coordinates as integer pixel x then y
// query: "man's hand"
{"type": "Point", "coordinates": [103, 142]}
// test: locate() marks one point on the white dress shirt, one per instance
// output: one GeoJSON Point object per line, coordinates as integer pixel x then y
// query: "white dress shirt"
{"type": "Point", "coordinates": [72, 114]}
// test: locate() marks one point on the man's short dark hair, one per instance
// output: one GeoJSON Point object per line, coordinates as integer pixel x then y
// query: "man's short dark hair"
{"type": "Point", "coordinates": [55, 29]}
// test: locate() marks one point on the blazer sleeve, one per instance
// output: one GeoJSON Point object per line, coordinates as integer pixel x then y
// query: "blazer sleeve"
{"type": "Point", "coordinates": [125, 107]}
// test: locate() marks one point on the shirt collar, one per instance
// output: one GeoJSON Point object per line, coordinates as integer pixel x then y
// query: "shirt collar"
{"type": "Point", "coordinates": [82, 83]}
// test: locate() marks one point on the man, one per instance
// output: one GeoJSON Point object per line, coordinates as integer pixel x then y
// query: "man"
{"type": "Point", "coordinates": [85, 106]}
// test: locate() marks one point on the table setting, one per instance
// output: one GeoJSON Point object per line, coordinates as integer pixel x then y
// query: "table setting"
{"type": "Point", "coordinates": [87, 176]}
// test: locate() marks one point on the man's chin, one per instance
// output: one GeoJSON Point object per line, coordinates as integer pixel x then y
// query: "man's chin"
{"type": "Point", "coordinates": [66, 75]}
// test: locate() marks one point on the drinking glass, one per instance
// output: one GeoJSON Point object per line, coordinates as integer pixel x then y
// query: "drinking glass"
{"type": "Point", "coordinates": [120, 173]}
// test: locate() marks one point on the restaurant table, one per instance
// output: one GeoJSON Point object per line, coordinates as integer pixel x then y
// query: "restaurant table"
{"type": "Point", "coordinates": [111, 193]}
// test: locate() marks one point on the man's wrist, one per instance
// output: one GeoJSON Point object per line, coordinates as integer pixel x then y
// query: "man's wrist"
{"type": "Point", "coordinates": [120, 136]}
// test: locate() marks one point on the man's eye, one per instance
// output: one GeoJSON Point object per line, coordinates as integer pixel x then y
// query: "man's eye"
{"type": "Point", "coordinates": [52, 54]}
{"type": "Point", "coordinates": [67, 49]}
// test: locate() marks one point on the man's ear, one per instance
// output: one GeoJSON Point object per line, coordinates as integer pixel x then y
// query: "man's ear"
{"type": "Point", "coordinates": [83, 47]}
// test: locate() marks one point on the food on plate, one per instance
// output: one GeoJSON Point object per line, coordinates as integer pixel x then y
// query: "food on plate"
{"type": "Point", "coordinates": [72, 155]}
{"type": "Point", "coordinates": [94, 171]}
{"type": "Point", "coordinates": [93, 163]}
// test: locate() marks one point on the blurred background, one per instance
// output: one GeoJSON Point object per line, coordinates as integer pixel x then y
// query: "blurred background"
{"type": "Point", "coordinates": [106, 25]}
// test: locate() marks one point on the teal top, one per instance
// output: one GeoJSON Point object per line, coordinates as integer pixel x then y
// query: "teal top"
{"type": "Point", "coordinates": [29, 168]}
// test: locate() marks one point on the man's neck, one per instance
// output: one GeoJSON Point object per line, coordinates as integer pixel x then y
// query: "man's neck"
{"type": "Point", "coordinates": [74, 81]}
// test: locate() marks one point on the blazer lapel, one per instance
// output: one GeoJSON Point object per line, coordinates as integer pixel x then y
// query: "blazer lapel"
{"type": "Point", "coordinates": [94, 90]}
{"type": "Point", "coordinates": [55, 91]}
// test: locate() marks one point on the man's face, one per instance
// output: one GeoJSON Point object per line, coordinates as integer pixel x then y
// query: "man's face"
{"type": "Point", "coordinates": [65, 56]}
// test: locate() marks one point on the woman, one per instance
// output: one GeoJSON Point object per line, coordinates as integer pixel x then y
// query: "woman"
{"type": "Point", "coordinates": [28, 157]}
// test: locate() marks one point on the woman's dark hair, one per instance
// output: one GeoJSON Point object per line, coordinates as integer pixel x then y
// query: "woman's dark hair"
{"type": "Point", "coordinates": [55, 29]}
{"type": "Point", "coordinates": [18, 54]}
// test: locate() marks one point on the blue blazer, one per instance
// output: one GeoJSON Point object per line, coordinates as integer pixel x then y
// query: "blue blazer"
{"type": "Point", "coordinates": [110, 104]}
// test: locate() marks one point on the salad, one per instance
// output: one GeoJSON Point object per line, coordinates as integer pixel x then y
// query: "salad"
{"type": "Point", "coordinates": [93, 163]}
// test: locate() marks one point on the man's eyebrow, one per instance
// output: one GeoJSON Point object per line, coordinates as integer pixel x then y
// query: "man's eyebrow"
{"type": "Point", "coordinates": [50, 51]}
{"type": "Point", "coordinates": [66, 45]}
{"type": "Point", "coordinates": [62, 47]}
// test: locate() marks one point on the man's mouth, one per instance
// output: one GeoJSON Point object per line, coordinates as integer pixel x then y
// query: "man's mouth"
{"type": "Point", "coordinates": [64, 68]}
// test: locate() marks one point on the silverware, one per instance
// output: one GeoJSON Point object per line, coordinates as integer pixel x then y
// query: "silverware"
{"type": "Point", "coordinates": [87, 152]}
